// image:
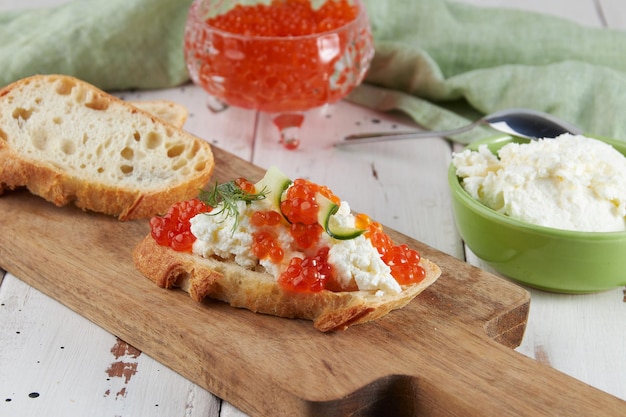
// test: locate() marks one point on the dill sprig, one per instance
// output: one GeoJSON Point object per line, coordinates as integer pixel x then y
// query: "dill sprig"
{"type": "Point", "coordinates": [228, 194]}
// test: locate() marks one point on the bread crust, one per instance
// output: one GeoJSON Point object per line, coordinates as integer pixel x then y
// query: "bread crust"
{"type": "Point", "coordinates": [259, 291]}
{"type": "Point", "coordinates": [54, 182]}
{"type": "Point", "coordinates": [60, 188]}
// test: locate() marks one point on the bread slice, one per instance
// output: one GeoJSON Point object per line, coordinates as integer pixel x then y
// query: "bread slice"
{"type": "Point", "coordinates": [259, 292]}
{"type": "Point", "coordinates": [169, 111]}
{"type": "Point", "coordinates": [67, 141]}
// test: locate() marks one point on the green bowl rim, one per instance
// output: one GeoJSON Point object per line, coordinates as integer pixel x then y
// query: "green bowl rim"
{"type": "Point", "coordinates": [456, 187]}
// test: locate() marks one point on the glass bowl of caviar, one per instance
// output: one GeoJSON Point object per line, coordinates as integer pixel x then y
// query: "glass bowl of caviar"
{"type": "Point", "coordinates": [282, 57]}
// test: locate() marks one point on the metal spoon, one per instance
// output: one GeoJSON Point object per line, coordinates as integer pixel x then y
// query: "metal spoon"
{"type": "Point", "coordinates": [524, 123]}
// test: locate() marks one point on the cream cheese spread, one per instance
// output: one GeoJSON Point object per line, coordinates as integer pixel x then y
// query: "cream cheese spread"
{"type": "Point", "coordinates": [571, 182]}
{"type": "Point", "coordinates": [354, 260]}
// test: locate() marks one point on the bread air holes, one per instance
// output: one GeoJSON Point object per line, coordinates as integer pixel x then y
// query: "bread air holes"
{"type": "Point", "coordinates": [3, 136]}
{"type": "Point", "coordinates": [97, 103]}
{"type": "Point", "coordinates": [175, 151]}
{"type": "Point", "coordinates": [153, 140]}
{"type": "Point", "coordinates": [64, 86]}
{"type": "Point", "coordinates": [126, 169]}
{"type": "Point", "coordinates": [127, 153]}
{"type": "Point", "coordinates": [68, 147]}
{"type": "Point", "coordinates": [178, 164]}
{"type": "Point", "coordinates": [21, 113]}
{"type": "Point", "coordinates": [200, 166]}
{"type": "Point", "coordinates": [39, 139]}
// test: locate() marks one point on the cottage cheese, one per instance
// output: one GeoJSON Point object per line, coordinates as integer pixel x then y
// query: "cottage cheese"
{"type": "Point", "coordinates": [217, 235]}
{"type": "Point", "coordinates": [571, 182]}
{"type": "Point", "coordinates": [354, 260]}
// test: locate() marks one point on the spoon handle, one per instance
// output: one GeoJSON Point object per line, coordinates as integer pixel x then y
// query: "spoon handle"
{"type": "Point", "coordinates": [361, 138]}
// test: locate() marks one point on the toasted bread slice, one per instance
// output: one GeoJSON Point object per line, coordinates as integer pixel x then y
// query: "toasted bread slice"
{"type": "Point", "coordinates": [259, 292]}
{"type": "Point", "coordinates": [67, 141]}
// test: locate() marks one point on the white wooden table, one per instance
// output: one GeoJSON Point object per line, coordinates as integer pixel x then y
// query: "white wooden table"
{"type": "Point", "coordinates": [53, 362]}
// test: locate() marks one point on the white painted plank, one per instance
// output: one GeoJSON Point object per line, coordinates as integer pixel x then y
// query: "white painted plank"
{"type": "Point", "coordinates": [228, 410]}
{"type": "Point", "coordinates": [55, 363]}
{"type": "Point", "coordinates": [583, 343]}
{"type": "Point", "coordinates": [582, 335]}
{"type": "Point", "coordinates": [614, 13]}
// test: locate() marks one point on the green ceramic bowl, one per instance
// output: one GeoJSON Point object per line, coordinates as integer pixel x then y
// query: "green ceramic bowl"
{"type": "Point", "coordinates": [541, 257]}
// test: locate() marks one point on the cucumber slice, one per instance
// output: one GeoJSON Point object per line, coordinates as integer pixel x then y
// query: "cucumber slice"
{"type": "Point", "coordinates": [326, 211]}
{"type": "Point", "coordinates": [274, 183]}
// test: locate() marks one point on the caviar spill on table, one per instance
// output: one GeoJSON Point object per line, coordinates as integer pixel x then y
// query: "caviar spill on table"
{"type": "Point", "coordinates": [310, 273]}
{"type": "Point", "coordinates": [264, 68]}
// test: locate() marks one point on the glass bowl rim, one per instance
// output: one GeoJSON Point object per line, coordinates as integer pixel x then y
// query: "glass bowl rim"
{"type": "Point", "coordinates": [361, 16]}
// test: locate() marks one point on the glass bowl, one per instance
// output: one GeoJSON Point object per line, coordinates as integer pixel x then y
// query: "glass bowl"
{"type": "Point", "coordinates": [271, 57]}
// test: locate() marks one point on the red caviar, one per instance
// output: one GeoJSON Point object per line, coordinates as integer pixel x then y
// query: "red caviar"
{"type": "Point", "coordinates": [300, 203]}
{"type": "Point", "coordinates": [305, 235]}
{"type": "Point", "coordinates": [404, 264]}
{"type": "Point", "coordinates": [402, 260]}
{"type": "Point", "coordinates": [285, 18]}
{"type": "Point", "coordinates": [265, 218]}
{"type": "Point", "coordinates": [265, 245]}
{"type": "Point", "coordinates": [245, 185]}
{"type": "Point", "coordinates": [253, 61]}
{"type": "Point", "coordinates": [309, 274]}
{"type": "Point", "coordinates": [173, 228]}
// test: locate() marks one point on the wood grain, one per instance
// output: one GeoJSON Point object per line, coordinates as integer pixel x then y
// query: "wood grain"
{"type": "Point", "coordinates": [447, 353]}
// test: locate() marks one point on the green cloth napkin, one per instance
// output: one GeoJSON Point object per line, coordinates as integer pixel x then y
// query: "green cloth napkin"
{"type": "Point", "coordinates": [437, 59]}
{"type": "Point", "coordinates": [114, 44]}
{"type": "Point", "coordinates": [444, 63]}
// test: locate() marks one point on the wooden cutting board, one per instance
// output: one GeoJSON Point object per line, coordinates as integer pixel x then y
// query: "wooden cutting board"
{"type": "Point", "coordinates": [449, 352]}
